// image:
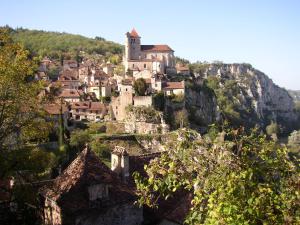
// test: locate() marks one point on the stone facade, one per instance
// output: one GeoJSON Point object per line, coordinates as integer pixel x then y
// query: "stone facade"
{"type": "Point", "coordinates": [142, 101]}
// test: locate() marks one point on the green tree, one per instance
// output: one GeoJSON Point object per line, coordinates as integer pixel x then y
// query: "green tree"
{"type": "Point", "coordinates": [243, 179]}
{"type": "Point", "coordinates": [181, 118]}
{"type": "Point", "coordinates": [159, 101]}
{"type": "Point", "coordinates": [140, 86]}
{"type": "Point", "coordinates": [23, 124]}
{"type": "Point", "coordinates": [79, 138]}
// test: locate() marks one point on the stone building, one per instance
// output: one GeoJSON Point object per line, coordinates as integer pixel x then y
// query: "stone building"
{"type": "Point", "coordinates": [70, 95]}
{"type": "Point", "coordinates": [176, 88]}
{"type": "Point", "coordinates": [91, 111]}
{"type": "Point", "coordinates": [89, 193]}
{"type": "Point", "coordinates": [147, 60]}
{"type": "Point", "coordinates": [119, 104]}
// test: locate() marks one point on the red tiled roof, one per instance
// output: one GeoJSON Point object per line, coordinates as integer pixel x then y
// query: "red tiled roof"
{"type": "Point", "coordinates": [134, 34]}
{"type": "Point", "coordinates": [54, 109]}
{"type": "Point", "coordinates": [69, 93]}
{"type": "Point", "coordinates": [173, 85]}
{"type": "Point", "coordinates": [95, 106]}
{"type": "Point", "coordinates": [156, 48]}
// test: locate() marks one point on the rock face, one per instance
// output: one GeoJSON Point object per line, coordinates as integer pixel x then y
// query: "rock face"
{"type": "Point", "coordinates": [259, 96]}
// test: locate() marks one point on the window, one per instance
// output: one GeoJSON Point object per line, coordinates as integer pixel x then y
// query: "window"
{"type": "Point", "coordinates": [132, 65]}
{"type": "Point", "coordinates": [145, 66]}
{"type": "Point", "coordinates": [125, 89]}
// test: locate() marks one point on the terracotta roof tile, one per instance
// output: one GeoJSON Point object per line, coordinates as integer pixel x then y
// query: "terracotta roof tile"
{"type": "Point", "coordinates": [156, 48]}
{"type": "Point", "coordinates": [134, 34]}
{"type": "Point", "coordinates": [54, 109]}
{"type": "Point", "coordinates": [173, 85]}
{"type": "Point", "coordinates": [69, 93]}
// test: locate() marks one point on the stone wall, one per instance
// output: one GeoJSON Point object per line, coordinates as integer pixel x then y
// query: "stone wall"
{"type": "Point", "coordinates": [142, 100]}
{"type": "Point", "coordinates": [128, 214]}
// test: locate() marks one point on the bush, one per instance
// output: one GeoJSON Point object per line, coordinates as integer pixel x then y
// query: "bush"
{"type": "Point", "coordinates": [159, 101]}
{"type": "Point", "coordinates": [140, 87]}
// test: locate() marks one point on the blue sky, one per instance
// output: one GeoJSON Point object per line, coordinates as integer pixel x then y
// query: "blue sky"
{"type": "Point", "coordinates": [265, 33]}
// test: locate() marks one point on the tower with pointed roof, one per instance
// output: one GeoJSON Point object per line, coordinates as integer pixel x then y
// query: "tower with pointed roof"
{"type": "Point", "coordinates": [132, 45]}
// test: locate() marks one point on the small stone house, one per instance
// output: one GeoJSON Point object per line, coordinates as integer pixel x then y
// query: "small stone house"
{"type": "Point", "coordinates": [70, 95]}
{"type": "Point", "coordinates": [89, 193]}
{"type": "Point", "coordinates": [176, 88]}
{"type": "Point", "coordinates": [87, 110]}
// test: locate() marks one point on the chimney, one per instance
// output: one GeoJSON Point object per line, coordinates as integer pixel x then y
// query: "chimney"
{"type": "Point", "coordinates": [120, 162]}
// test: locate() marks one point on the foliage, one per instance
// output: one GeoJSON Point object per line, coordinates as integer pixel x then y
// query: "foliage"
{"type": "Point", "coordinates": [294, 139]}
{"type": "Point", "coordinates": [243, 180]}
{"type": "Point", "coordinates": [97, 128]}
{"type": "Point", "coordinates": [143, 113]}
{"type": "Point", "coordinates": [140, 86]}
{"type": "Point", "coordinates": [272, 128]}
{"type": "Point", "coordinates": [114, 128]}
{"type": "Point", "coordinates": [23, 126]}
{"type": "Point", "coordinates": [181, 118]}
{"type": "Point", "coordinates": [199, 68]}
{"type": "Point", "coordinates": [181, 60]}
{"type": "Point", "coordinates": [179, 98]}
{"type": "Point", "coordinates": [22, 121]}
{"type": "Point", "coordinates": [294, 144]}
{"type": "Point", "coordinates": [55, 44]}
{"type": "Point", "coordinates": [159, 101]}
{"type": "Point", "coordinates": [119, 70]}
{"type": "Point", "coordinates": [79, 138]}
{"type": "Point", "coordinates": [226, 92]}
{"type": "Point", "coordinates": [101, 150]}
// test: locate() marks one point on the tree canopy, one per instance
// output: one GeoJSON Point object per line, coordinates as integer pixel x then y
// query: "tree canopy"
{"type": "Point", "coordinates": [140, 86]}
{"type": "Point", "coordinates": [239, 179]}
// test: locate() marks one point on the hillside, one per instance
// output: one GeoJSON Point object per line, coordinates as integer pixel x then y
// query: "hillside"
{"type": "Point", "coordinates": [55, 44]}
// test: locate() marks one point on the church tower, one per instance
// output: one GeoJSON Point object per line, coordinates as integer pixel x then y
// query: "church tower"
{"type": "Point", "coordinates": [132, 46]}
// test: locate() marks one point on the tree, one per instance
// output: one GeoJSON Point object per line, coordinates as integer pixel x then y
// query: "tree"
{"type": "Point", "coordinates": [244, 179]}
{"type": "Point", "coordinates": [159, 101]}
{"type": "Point", "coordinates": [273, 130]}
{"type": "Point", "coordinates": [23, 124]}
{"type": "Point", "coordinates": [22, 121]}
{"type": "Point", "coordinates": [181, 118]}
{"type": "Point", "coordinates": [140, 86]}
{"type": "Point", "coordinates": [79, 138]}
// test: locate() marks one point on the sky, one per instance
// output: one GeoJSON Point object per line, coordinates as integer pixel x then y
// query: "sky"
{"type": "Point", "coordinates": [264, 33]}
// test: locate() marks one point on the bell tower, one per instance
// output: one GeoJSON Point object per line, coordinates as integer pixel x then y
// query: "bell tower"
{"type": "Point", "coordinates": [132, 45]}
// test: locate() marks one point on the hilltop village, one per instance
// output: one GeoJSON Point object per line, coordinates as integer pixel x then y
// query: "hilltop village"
{"type": "Point", "coordinates": [94, 92]}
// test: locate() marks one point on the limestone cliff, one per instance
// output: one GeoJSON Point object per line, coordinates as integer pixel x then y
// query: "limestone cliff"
{"type": "Point", "coordinates": [257, 99]}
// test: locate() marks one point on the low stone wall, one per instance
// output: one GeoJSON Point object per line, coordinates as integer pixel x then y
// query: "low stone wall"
{"type": "Point", "coordinates": [128, 214]}
{"type": "Point", "coordinates": [142, 101]}
{"type": "Point", "coordinates": [141, 127]}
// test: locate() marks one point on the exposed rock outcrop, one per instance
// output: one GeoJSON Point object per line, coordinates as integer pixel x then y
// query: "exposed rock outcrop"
{"type": "Point", "coordinates": [258, 96]}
